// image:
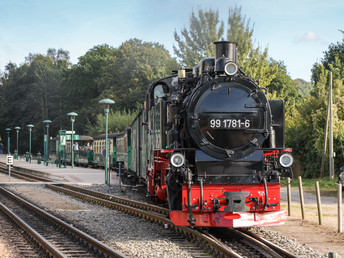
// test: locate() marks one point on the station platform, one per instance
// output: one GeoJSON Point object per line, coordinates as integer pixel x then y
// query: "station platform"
{"type": "Point", "coordinates": [76, 175]}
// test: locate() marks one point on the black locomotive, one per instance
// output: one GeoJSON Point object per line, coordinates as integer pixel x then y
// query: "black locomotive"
{"type": "Point", "coordinates": [216, 145]}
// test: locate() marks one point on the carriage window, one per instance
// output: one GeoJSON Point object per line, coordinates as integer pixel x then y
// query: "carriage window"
{"type": "Point", "coordinates": [160, 91]}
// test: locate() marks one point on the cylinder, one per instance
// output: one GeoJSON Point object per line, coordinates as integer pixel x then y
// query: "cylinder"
{"type": "Point", "coordinates": [226, 49]}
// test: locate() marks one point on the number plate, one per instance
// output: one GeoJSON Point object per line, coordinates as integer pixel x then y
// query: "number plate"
{"type": "Point", "coordinates": [229, 123]}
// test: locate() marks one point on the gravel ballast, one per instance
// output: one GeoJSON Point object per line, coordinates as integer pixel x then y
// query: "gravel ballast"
{"type": "Point", "coordinates": [135, 237]}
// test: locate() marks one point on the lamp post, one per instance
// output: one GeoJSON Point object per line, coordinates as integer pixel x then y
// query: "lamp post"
{"type": "Point", "coordinates": [107, 103]}
{"type": "Point", "coordinates": [17, 128]}
{"type": "Point", "coordinates": [46, 142]}
{"type": "Point", "coordinates": [72, 118]}
{"type": "Point", "coordinates": [30, 126]}
{"type": "Point", "coordinates": [8, 141]}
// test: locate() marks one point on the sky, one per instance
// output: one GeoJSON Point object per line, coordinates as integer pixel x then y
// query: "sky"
{"type": "Point", "coordinates": [296, 32]}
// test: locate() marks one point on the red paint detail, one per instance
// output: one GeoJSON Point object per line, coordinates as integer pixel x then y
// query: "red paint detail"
{"type": "Point", "coordinates": [276, 152]}
{"type": "Point", "coordinates": [167, 151]}
{"type": "Point", "coordinates": [230, 215]}
{"type": "Point", "coordinates": [212, 192]}
{"type": "Point", "coordinates": [156, 174]}
{"type": "Point", "coordinates": [247, 219]}
{"type": "Point", "coordinates": [161, 193]}
{"type": "Point", "coordinates": [271, 156]}
{"type": "Point", "coordinates": [270, 152]}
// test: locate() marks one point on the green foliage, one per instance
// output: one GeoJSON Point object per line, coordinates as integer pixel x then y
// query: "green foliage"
{"type": "Point", "coordinates": [85, 82]}
{"type": "Point", "coordinates": [241, 32]}
{"type": "Point", "coordinates": [196, 42]}
{"type": "Point", "coordinates": [283, 87]}
{"type": "Point", "coordinates": [118, 121]}
{"type": "Point", "coordinates": [32, 93]}
{"type": "Point", "coordinates": [137, 65]}
{"type": "Point", "coordinates": [304, 87]}
{"type": "Point", "coordinates": [307, 131]}
{"type": "Point", "coordinates": [325, 183]}
{"type": "Point", "coordinates": [49, 87]}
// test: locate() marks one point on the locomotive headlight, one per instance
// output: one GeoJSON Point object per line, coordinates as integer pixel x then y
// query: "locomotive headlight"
{"type": "Point", "coordinates": [231, 68]}
{"type": "Point", "coordinates": [286, 160]}
{"type": "Point", "coordinates": [177, 160]}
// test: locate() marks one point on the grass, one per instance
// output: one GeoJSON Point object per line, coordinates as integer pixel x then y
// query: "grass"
{"type": "Point", "coordinates": [324, 183]}
{"type": "Point", "coordinates": [328, 187]}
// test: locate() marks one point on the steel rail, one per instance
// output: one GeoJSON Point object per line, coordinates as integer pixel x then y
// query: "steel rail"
{"type": "Point", "coordinates": [38, 238]}
{"type": "Point", "coordinates": [255, 244]}
{"type": "Point", "coordinates": [276, 248]}
{"type": "Point", "coordinates": [22, 175]}
{"type": "Point", "coordinates": [87, 238]}
{"type": "Point", "coordinates": [217, 246]}
{"type": "Point", "coordinates": [109, 197]}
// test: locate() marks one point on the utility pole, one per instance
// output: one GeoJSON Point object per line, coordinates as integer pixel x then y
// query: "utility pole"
{"type": "Point", "coordinates": [322, 168]}
{"type": "Point", "coordinates": [331, 160]}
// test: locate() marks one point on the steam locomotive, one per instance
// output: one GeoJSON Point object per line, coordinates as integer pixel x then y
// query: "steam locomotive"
{"type": "Point", "coordinates": [210, 144]}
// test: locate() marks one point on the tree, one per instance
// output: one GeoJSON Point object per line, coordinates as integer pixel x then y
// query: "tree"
{"type": "Point", "coordinates": [118, 121]}
{"type": "Point", "coordinates": [253, 61]}
{"type": "Point", "coordinates": [122, 74]}
{"type": "Point", "coordinates": [137, 65]}
{"type": "Point", "coordinates": [241, 32]}
{"type": "Point", "coordinates": [197, 41]}
{"type": "Point", "coordinates": [308, 128]}
{"type": "Point", "coordinates": [86, 81]}
{"type": "Point", "coordinates": [31, 93]}
{"type": "Point", "coordinates": [283, 87]}
{"type": "Point", "coordinates": [304, 87]}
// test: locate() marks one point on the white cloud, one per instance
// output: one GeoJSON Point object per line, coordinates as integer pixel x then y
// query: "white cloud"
{"type": "Point", "coordinates": [307, 37]}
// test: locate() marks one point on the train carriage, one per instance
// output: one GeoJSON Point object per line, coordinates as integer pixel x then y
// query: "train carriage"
{"type": "Point", "coordinates": [123, 149]}
{"type": "Point", "coordinates": [99, 149]}
{"type": "Point", "coordinates": [63, 152]}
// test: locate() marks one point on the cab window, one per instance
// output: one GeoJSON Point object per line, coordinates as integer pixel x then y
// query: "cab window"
{"type": "Point", "coordinates": [160, 91]}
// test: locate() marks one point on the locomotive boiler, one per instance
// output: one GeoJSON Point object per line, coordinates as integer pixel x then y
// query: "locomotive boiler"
{"type": "Point", "coordinates": [215, 145]}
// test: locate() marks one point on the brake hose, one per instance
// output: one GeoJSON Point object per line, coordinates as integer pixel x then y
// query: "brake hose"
{"type": "Point", "coordinates": [266, 193]}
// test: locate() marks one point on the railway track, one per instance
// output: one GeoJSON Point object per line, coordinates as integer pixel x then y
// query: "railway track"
{"type": "Point", "coordinates": [54, 237]}
{"type": "Point", "coordinates": [245, 240]}
{"type": "Point", "coordinates": [233, 243]}
{"type": "Point", "coordinates": [12, 237]}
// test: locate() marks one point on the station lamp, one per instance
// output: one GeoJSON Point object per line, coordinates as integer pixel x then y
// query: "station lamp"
{"type": "Point", "coordinates": [8, 141]}
{"type": "Point", "coordinates": [17, 128]}
{"type": "Point", "coordinates": [106, 103]}
{"type": "Point", "coordinates": [46, 142]}
{"type": "Point", "coordinates": [30, 126]}
{"type": "Point", "coordinates": [72, 118]}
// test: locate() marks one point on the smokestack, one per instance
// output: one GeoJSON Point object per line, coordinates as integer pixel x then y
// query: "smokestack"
{"type": "Point", "coordinates": [226, 49]}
